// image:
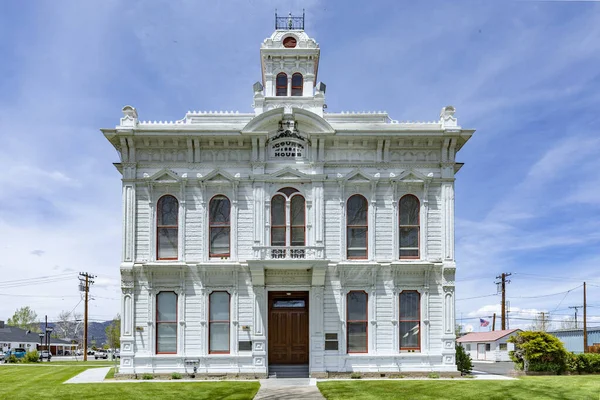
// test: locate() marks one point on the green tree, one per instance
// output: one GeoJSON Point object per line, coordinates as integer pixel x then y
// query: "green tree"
{"type": "Point", "coordinates": [538, 351]}
{"type": "Point", "coordinates": [463, 360]}
{"type": "Point", "coordinates": [25, 318]}
{"type": "Point", "coordinates": [113, 333]}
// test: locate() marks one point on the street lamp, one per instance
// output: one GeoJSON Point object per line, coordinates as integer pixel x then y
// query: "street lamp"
{"type": "Point", "coordinates": [49, 332]}
{"type": "Point", "coordinates": [41, 339]}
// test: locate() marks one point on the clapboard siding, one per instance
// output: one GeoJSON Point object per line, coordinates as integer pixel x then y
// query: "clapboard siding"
{"type": "Point", "coordinates": [142, 225]}
{"type": "Point", "coordinates": [383, 223]}
{"type": "Point", "coordinates": [245, 237]}
{"type": "Point", "coordinates": [333, 220]}
{"type": "Point", "coordinates": [194, 229]}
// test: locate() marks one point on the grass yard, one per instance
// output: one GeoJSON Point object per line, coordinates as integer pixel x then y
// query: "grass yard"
{"type": "Point", "coordinates": [527, 388]}
{"type": "Point", "coordinates": [46, 382]}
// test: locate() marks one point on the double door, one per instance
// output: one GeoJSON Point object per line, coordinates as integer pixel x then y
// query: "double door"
{"type": "Point", "coordinates": [288, 328]}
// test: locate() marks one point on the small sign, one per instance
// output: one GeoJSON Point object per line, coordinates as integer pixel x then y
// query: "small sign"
{"type": "Point", "coordinates": [139, 329]}
{"type": "Point", "coordinates": [245, 327]}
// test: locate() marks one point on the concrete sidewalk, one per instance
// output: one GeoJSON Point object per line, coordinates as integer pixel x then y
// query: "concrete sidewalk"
{"type": "Point", "coordinates": [91, 375]}
{"type": "Point", "coordinates": [288, 389]}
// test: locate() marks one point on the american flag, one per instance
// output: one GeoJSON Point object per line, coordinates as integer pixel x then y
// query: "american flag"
{"type": "Point", "coordinates": [483, 322]}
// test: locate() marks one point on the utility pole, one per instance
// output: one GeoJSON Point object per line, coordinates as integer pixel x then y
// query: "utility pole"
{"type": "Point", "coordinates": [543, 321]}
{"type": "Point", "coordinates": [585, 343]}
{"type": "Point", "coordinates": [503, 283]}
{"type": "Point", "coordinates": [494, 323]}
{"type": "Point", "coordinates": [576, 308]}
{"type": "Point", "coordinates": [85, 280]}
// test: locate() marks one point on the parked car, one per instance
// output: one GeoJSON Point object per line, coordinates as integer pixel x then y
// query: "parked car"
{"type": "Point", "coordinates": [101, 354]}
{"type": "Point", "coordinates": [90, 352]}
{"type": "Point", "coordinates": [117, 353]}
{"type": "Point", "coordinates": [18, 352]}
{"type": "Point", "coordinates": [79, 352]}
{"type": "Point", "coordinates": [1, 356]}
{"type": "Point", "coordinates": [45, 354]}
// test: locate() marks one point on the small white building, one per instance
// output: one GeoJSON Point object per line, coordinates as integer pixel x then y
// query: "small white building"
{"type": "Point", "coordinates": [289, 237]}
{"type": "Point", "coordinates": [488, 346]}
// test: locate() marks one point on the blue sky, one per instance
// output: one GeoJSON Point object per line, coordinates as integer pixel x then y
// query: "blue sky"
{"type": "Point", "coordinates": [525, 74]}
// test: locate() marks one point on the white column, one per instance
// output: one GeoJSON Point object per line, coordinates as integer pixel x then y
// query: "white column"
{"type": "Point", "coordinates": [129, 211]}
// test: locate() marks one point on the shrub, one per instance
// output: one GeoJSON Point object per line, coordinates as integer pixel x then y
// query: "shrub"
{"type": "Point", "coordinates": [355, 375]}
{"type": "Point", "coordinates": [175, 375]}
{"type": "Point", "coordinates": [433, 375]}
{"type": "Point", "coordinates": [32, 356]}
{"type": "Point", "coordinates": [463, 360]}
{"type": "Point", "coordinates": [538, 351]}
{"type": "Point", "coordinates": [147, 377]}
{"type": "Point", "coordinates": [588, 363]}
{"type": "Point", "coordinates": [12, 359]}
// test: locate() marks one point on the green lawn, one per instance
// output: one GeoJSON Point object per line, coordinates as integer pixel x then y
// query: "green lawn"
{"type": "Point", "coordinates": [527, 388]}
{"type": "Point", "coordinates": [45, 382]}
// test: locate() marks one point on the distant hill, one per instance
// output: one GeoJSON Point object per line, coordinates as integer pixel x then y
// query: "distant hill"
{"type": "Point", "coordinates": [96, 331]}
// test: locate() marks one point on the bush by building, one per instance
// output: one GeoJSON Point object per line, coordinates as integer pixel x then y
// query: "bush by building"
{"type": "Point", "coordinates": [539, 351]}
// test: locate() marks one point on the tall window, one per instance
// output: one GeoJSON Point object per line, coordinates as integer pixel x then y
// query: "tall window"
{"type": "Point", "coordinates": [220, 226]}
{"type": "Point", "coordinates": [409, 226]}
{"type": "Point", "coordinates": [281, 84]}
{"type": "Point", "coordinates": [218, 325]}
{"type": "Point", "coordinates": [410, 320]}
{"type": "Point", "coordinates": [288, 229]}
{"type": "Point", "coordinates": [297, 84]}
{"type": "Point", "coordinates": [166, 228]}
{"type": "Point", "coordinates": [357, 227]}
{"type": "Point", "coordinates": [166, 323]}
{"type": "Point", "coordinates": [356, 322]}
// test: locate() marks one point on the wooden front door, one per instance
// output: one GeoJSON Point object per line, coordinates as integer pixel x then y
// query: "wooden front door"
{"type": "Point", "coordinates": [288, 328]}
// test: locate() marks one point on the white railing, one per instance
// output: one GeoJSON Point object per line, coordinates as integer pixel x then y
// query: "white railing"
{"type": "Point", "coordinates": [288, 252]}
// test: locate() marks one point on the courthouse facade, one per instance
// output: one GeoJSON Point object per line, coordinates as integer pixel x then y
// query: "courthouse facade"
{"type": "Point", "coordinates": [288, 240]}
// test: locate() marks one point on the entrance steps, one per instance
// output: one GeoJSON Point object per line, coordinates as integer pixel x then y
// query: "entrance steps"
{"type": "Point", "coordinates": [288, 371]}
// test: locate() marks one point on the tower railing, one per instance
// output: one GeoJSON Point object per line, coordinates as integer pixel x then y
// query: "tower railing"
{"type": "Point", "coordinates": [290, 22]}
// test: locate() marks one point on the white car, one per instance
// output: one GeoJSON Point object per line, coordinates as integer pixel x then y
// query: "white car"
{"type": "Point", "coordinates": [101, 354]}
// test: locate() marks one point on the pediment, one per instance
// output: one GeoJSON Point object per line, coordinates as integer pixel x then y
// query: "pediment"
{"type": "Point", "coordinates": [164, 176]}
{"type": "Point", "coordinates": [218, 176]}
{"type": "Point", "coordinates": [413, 177]}
{"type": "Point", "coordinates": [268, 121]}
{"type": "Point", "coordinates": [289, 173]}
{"type": "Point", "coordinates": [358, 176]}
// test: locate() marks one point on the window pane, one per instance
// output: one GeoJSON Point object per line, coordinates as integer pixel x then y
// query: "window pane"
{"type": "Point", "coordinates": [357, 306]}
{"type": "Point", "coordinates": [167, 210]}
{"type": "Point", "coordinates": [297, 85]}
{"type": "Point", "coordinates": [409, 306]}
{"type": "Point", "coordinates": [357, 238]}
{"type": "Point", "coordinates": [357, 210]}
{"type": "Point", "coordinates": [219, 210]}
{"type": "Point", "coordinates": [277, 236]}
{"type": "Point", "coordinates": [409, 253]}
{"type": "Point", "coordinates": [219, 306]}
{"type": "Point", "coordinates": [288, 191]}
{"type": "Point", "coordinates": [294, 303]}
{"type": "Point", "coordinates": [357, 337]}
{"type": "Point", "coordinates": [409, 334]}
{"type": "Point", "coordinates": [166, 338]}
{"type": "Point", "coordinates": [277, 211]}
{"type": "Point", "coordinates": [297, 210]}
{"type": "Point", "coordinates": [281, 85]}
{"type": "Point", "coordinates": [219, 336]}
{"type": "Point", "coordinates": [298, 236]}
{"type": "Point", "coordinates": [409, 237]}
{"type": "Point", "coordinates": [167, 242]}
{"type": "Point", "coordinates": [409, 210]}
{"type": "Point", "coordinates": [353, 253]}
{"type": "Point", "coordinates": [219, 240]}
{"type": "Point", "coordinates": [166, 306]}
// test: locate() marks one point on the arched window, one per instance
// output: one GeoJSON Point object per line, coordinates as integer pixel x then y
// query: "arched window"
{"type": "Point", "coordinates": [297, 84]}
{"type": "Point", "coordinates": [281, 85]}
{"type": "Point", "coordinates": [219, 226]}
{"type": "Point", "coordinates": [288, 220]}
{"type": "Point", "coordinates": [410, 320]}
{"type": "Point", "coordinates": [409, 226]}
{"type": "Point", "coordinates": [166, 323]}
{"type": "Point", "coordinates": [356, 322]}
{"type": "Point", "coordinates": [218, 323]}
{"type": "Point", "coordinates": [357, 227]}
{"type": "Point", "coordinates": [166, 228]}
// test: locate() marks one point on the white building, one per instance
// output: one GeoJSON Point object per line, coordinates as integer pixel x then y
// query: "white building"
{"type": "Point", "coordinates": [488, 346]}
{"type": "Point", "coordinates": [288, 236]}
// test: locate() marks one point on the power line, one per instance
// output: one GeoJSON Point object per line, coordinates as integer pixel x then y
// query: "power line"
{"type": "Point", "coordinates": [545, 295]}
{"type": "Point", "coordinates": [478, 297]}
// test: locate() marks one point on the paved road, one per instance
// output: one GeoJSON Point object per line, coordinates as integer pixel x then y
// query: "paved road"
{"type": "Point", "coordinates": [498, 368]}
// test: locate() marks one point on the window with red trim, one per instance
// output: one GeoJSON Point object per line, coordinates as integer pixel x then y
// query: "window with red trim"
{"type": "Point", "coordinates": [166, 228]}
{"type": "Point", "coordinates": [356, 322]}
{"type": "Point", "coordinates": [281, 84]}
{"type": "Point", "coordinates": [218, 324]}
{"type": "Point", "coordinates": [166, 323]}
{"type": "Point", "coordinates": [297, 82]}
{"type": "Point", "coordinates": [409, 226]}
{"type": "Point", "coordinates": [219, 226]}
{"type": "Point", "coordinates": [357, 227]}
{"type": "Point", "coordinates": [409, 320]}
{"type": "Point", "coordinates": [288, 229]}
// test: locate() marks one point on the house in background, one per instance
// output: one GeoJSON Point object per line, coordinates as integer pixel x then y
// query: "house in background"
{"type": "Point", "coordinates": [12, 337]}
{"type": "Point", "coordinates": [573, 338]}
{"type": "Point", "coordinates": [288, 240]}
{"type": "Point", "coordinates": [488, 346]}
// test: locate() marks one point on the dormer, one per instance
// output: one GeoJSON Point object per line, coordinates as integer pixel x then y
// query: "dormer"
{"type": "Point", "coordinates": [289, 61]}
